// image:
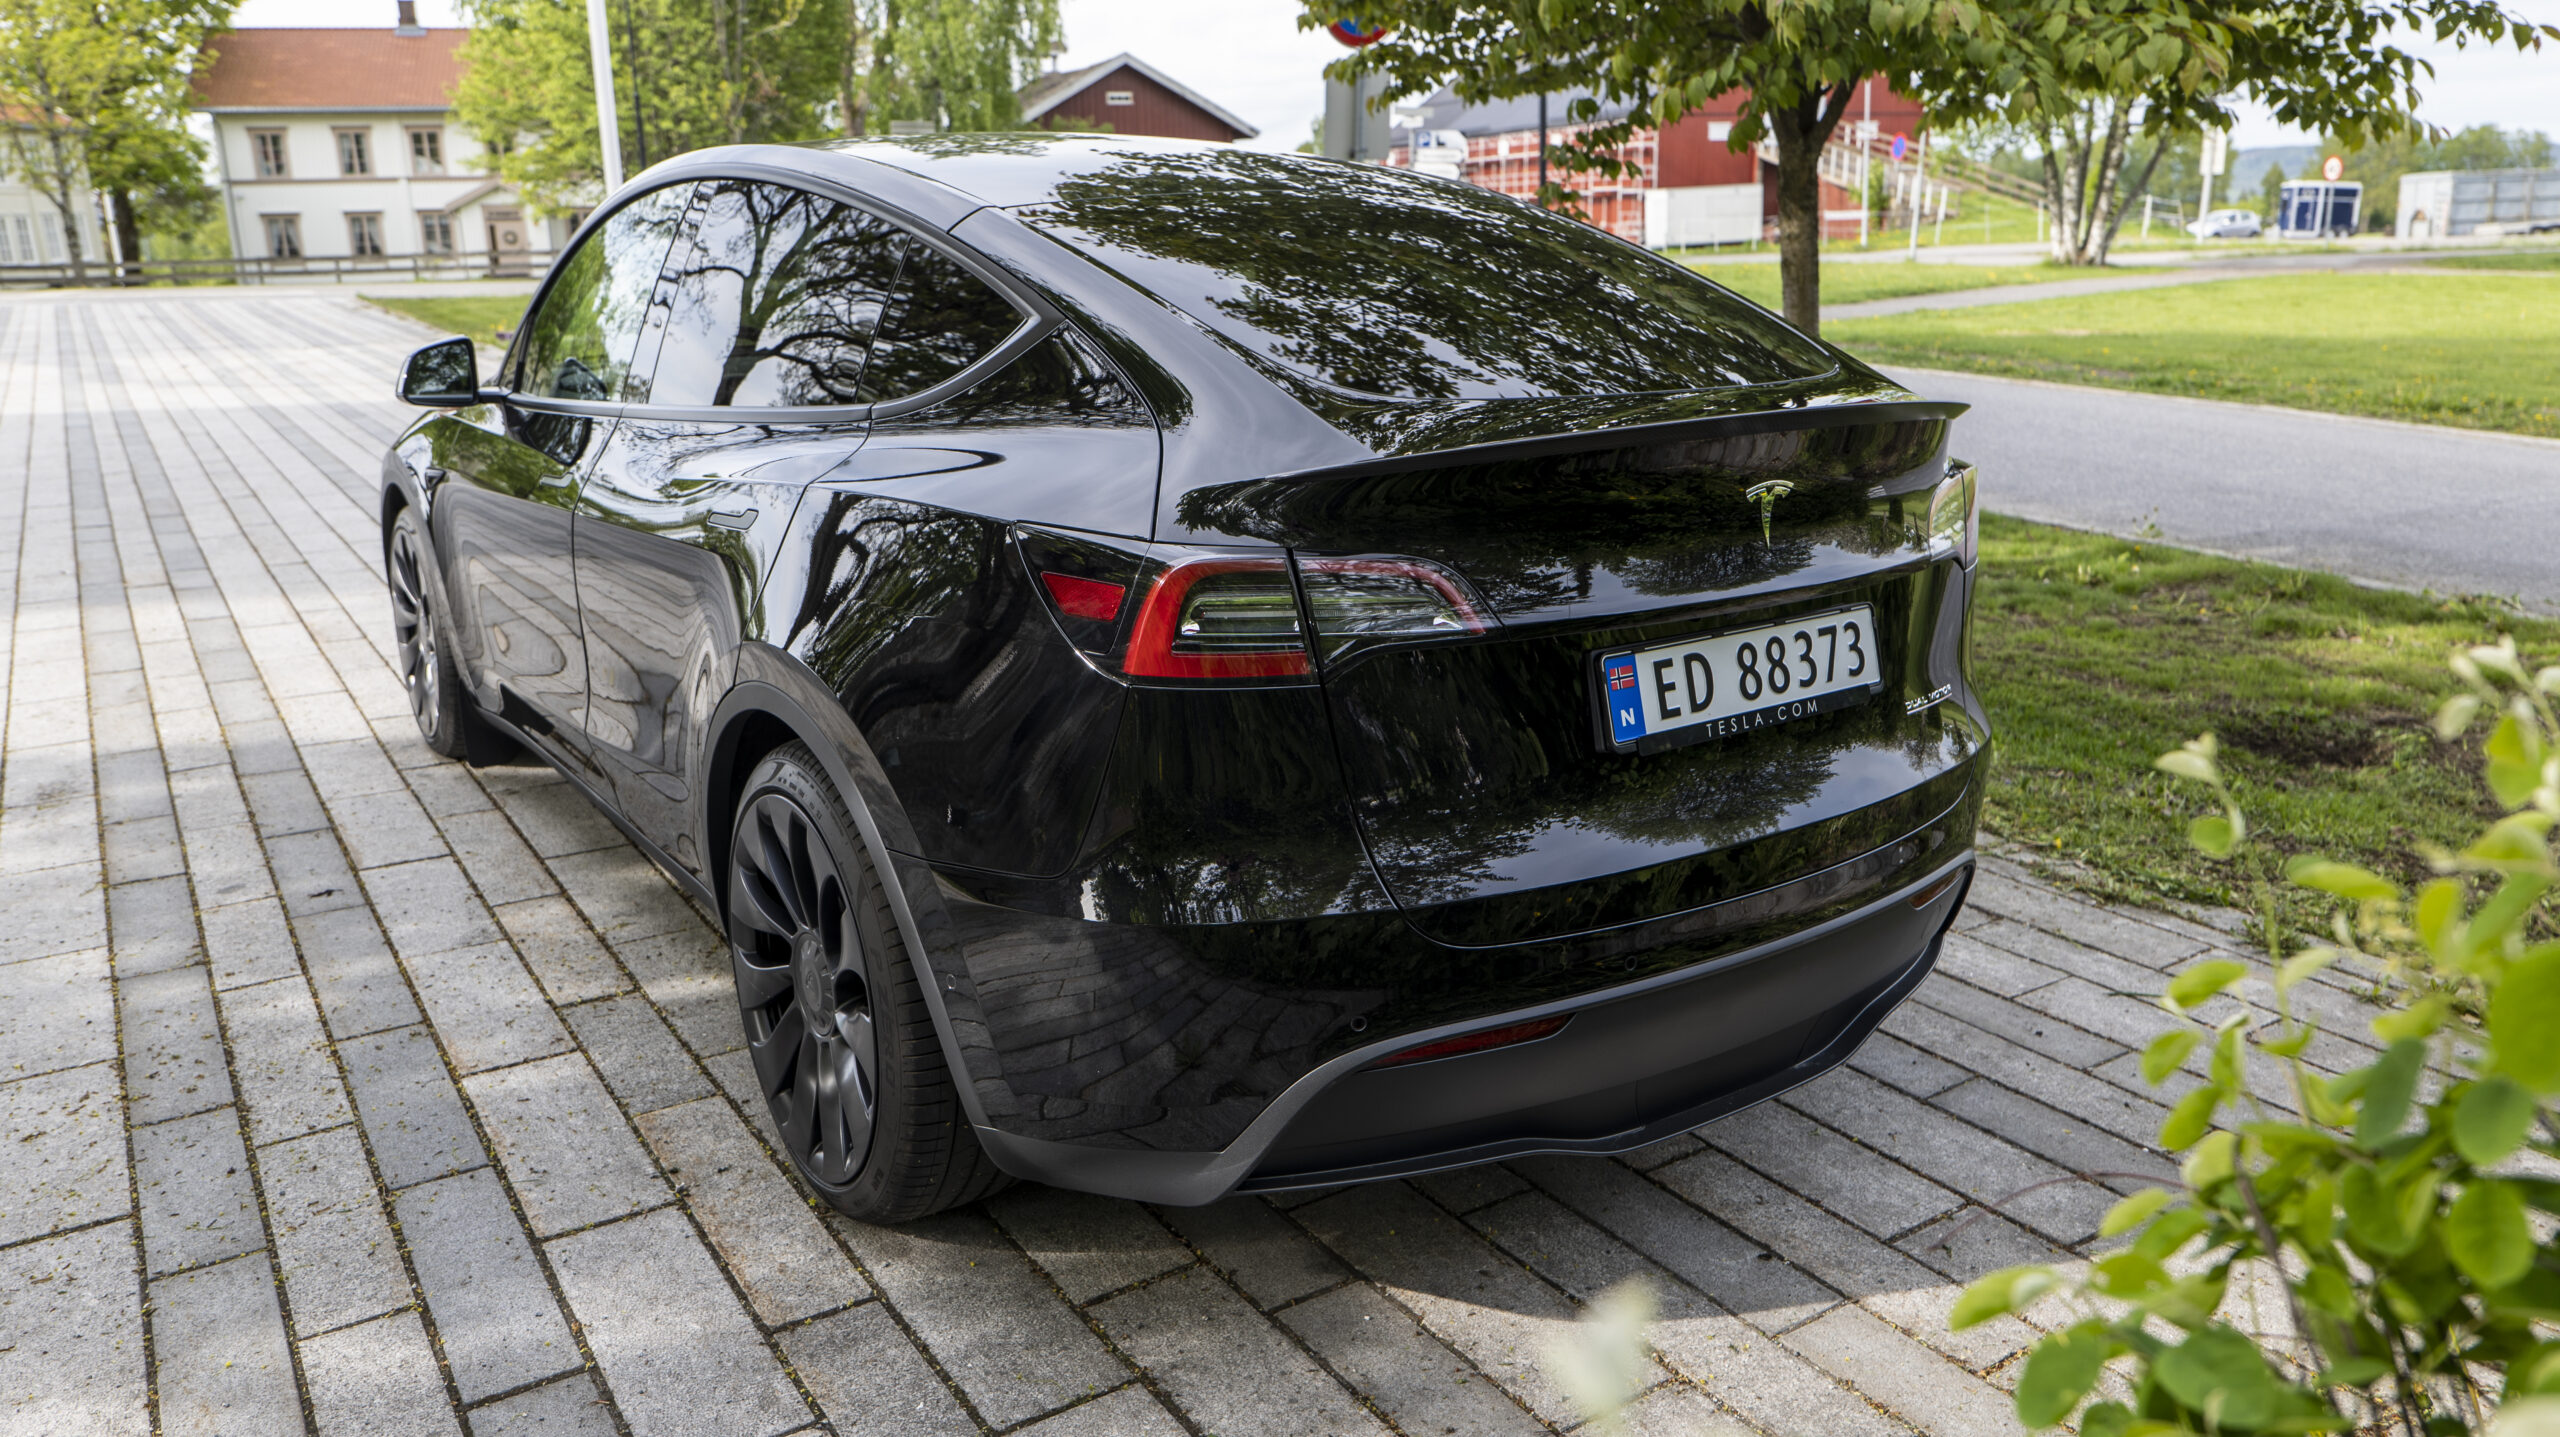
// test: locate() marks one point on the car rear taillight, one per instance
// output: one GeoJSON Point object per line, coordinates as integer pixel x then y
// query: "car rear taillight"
{"type": "Point", "coordinates": [1218, 618]}
{"type": "Point", "coordinates": [1374, 600]}
{"type": "Point", "coordinates": [1082, 598]}
{"type": "Point", "coordinates": [1476, 1042]}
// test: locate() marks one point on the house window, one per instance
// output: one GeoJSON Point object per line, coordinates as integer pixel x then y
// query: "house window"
{"type": "Point", "coordinates": [268, 147]}
{"type": "Point", "coordinates": [26, 241]}
{"type": "Point", "coordinates": [53, 232]}
{"type": "Point", "coordinates": [364, 236]}
{"type": "Point", "coordinates": [435, 233]}
{"type": "Point", "coordinates": [578, 219]}
{"type": "Point", "coordinates": [355, 152]}
{"type": "Point", "coordinates": [1719, 130]}
{"type": "Point", "coordinates": [284, 236]}
{"type": "Point", "coordinates": [1119, 97]}
{"type": "Point", "coordinates": [426, 152]}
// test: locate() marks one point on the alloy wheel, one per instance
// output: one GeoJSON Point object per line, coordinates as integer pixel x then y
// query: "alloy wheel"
{"type": "Point", "coordinates": [413, 625]}
{"type": "Point", "coordinates": [804, 989]}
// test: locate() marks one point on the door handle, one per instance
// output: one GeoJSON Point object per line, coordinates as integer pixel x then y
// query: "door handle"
{"type": "Point", "coordinates": [724, 519]}
{"type": "Point", "coordinates": [556, 481]}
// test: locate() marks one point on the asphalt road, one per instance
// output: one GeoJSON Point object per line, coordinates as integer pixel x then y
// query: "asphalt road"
{"type": "Point", "coordinates": [2406, 506]}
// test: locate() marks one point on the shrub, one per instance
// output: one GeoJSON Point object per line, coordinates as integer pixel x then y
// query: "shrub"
{"type": "Point", "coordinates": [2404, 1206]}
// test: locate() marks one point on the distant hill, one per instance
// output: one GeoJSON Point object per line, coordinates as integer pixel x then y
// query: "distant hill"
{"type": "Point", "coordinates": [2249, 167]}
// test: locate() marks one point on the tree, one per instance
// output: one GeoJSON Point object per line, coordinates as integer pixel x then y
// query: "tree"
{"type": "Point", "coordinates": [2271, 193]}
{"type": "Point", "coordinates": [96, 93]}
{"type": "Point", "coordinates": [961, 63]}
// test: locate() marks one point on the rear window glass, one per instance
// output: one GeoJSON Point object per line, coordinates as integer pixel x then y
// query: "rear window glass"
{"type": "Point", "coordinates": [1395, 284]}
{"type": "Point", "coordinates": [940, 320]}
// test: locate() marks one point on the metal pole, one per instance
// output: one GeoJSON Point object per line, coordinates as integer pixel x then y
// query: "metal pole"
{"type": "Point", "coordinates": [1919, 193]}
{"type": "Point", "coordinates": [608, 124]}
{"type": "Point", "coordinates": [1542, 149]}
{"type": "Point", "coordinates": [1866, 152]}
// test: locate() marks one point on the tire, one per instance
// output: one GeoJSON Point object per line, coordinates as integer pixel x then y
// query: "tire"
{"type": "Point", "coordinates": [843, 1045]}
{"type": "Point", "coordinates": [437, 698]}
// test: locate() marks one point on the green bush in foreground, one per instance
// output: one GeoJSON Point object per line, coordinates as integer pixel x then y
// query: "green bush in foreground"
{"type": "Point", "coordinates": [2396, 1202]}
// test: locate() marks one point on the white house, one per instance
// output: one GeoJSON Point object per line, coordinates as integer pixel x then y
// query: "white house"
{"type": "Point", "coordinates": [340, 143]}
{"type": "Point", "coordinates": [31, 230]}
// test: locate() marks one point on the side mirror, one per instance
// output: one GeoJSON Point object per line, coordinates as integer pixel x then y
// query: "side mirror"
{"type": "Point", "coordinates": [442, 375]}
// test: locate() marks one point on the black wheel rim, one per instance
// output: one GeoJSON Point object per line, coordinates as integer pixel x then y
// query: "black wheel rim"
{"type": "Point", "coordinates": [803, 989]}
{"type": "Point", "coordinates": [413, 624]}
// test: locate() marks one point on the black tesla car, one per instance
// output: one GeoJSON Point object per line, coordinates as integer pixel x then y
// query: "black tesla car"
{"type": "Point", "coordinates": [1184, 670]}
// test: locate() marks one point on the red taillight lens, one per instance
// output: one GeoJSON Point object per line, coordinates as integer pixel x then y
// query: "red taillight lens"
{"type": "Point", "coordinates": [1084, 598]}
{"type": "Point", "coordinates": [1476, 1042]}
{"type": "Point", "coordinates": [1218, 618]}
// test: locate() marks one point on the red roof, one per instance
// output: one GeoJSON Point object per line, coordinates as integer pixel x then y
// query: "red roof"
{"type": "Point", "coordinates": [375, 69]}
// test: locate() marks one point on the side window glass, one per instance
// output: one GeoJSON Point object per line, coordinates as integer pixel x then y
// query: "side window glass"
{"type": "Point", "coordinates": [579, 344]}
{"type": "Point", "coordinates": [941, 320]}
{"type": "Point", "coordinates": [775, 301]}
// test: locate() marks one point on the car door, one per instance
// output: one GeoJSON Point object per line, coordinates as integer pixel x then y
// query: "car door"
{"type": "Point", "coordinates": [770, 300]}
{"type": "Point", "coordinates": [503, 476]}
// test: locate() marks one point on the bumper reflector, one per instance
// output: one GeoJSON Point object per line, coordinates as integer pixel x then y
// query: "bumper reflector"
{"type": "Point", "coordinates": [1475, 1042]}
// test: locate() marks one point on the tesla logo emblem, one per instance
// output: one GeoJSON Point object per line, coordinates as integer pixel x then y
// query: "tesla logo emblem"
{"type": "Point", "coordinates": [1766, 494]}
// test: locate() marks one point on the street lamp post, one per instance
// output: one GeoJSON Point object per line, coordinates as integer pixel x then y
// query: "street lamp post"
{"type": "Point", "coordinates": [608, 124]}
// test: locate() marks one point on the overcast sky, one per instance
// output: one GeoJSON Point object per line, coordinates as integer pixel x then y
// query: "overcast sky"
{"type": "Point", "coordinates": [1250, 57]}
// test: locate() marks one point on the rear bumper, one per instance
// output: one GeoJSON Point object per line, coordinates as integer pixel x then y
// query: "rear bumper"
{"type": "Point", "coordinates": [1636, 1063]}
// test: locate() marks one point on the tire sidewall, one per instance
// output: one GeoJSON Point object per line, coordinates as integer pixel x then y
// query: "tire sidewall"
{"type": "Point", "coordinates": [445, 735]}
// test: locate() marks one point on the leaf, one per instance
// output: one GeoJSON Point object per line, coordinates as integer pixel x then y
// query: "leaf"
{"type": "Point", "coordinates": [2536, 1373]}
{"type": "Point", "coordinates": [2530, 1417]}
{"type": "Point", "coordinates": [2388, 1091]}
{"type": "Point", "coordinates": [2128, 1275]}
{"type": "Point", "coordinates": [2220, 1371]}
{"type": "Point", "coordinates": [2456, 715]}
{"type": "Point", "coordinates": [2132, 1211]}
{"type": "Point", "coordinates": [2346, 880]}
{"type": "Point", "coordinates": [2106, 1419]}
{"type": "Point", "coordinates": [2200, 983]}
{"type": "Point", "coordinates": [2166, 1052]}
{"type": "Point", "coordinates": [2491, 1120]}
{"type": "Point", "coordinates": [2486, 1235]}
{"type": "Point", "coordinates": [2524, 1021]}
{"type": "Point", "coordinates": [2060, 1372]}
{"type": "Point", "coordinates": [2189, 1119]}
{"type": "Point", "coordinates": [2302, 965]}
{"type": "Point", "coordinates": [2373, 1217]}
{"type": "Point", "coordinates": [1996, 1294]}
{"type": "Point", "coordinates": [2514, 769]}
{"type": "Point", "coordinates": [2191, 761]}
{"type": "Point", "coordinates": [2213, 835]}
{"type": "Point", "coordinates": [2211, 1162]}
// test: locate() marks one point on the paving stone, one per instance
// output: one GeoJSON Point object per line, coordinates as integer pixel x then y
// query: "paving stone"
{"type": "Point", "coordinates": [1906, 1067]}
{"type": "Point", "coordinates": [763, 1228]}
{"type": "Point", "coordinates": [1726, 1356]}
{"type": "Point", "coordinates": [333, 1246]}
{"type": "Point", "coordinates": [428, 907]}
{"type": "Point", "coordinates": [1672, 1412]}
{"type": "Point", "coordinates": [198, 1203]}
{"type": "Point", "coordinates": [1994, 970]}
{"type": "Point", "coordinates": [868, 1376]}
{"type": "Point", "coordinates": [486, 1008]}
{"type": "Point", "coordinates": [312, 874]}
{"type": "Point", "coordinates": [2115, 933]}
{"type": "Point", "coordinates": [2099, 1101]}
{"type": "Point", "coordinates": [687, 975]}
{"type": "Point", "coordinates": [361, 988]}
{"type": "Point", "coordinates": [1271, 1258]}
{"type": "Point", "coordinates": [562, 951]}
{"type": "Point", "coordinates": [1956, 1154]}
{"type": "Point", "coordinates": [1904, 1377]}
{"type": "Point", "coordinates": [132, 785]}
{"type": "Point", "coordinates": [207, 798]}
{"type": "Point", "coordinates": [570, 1407]}
{"type": "Point", "coordinates": [382, 829]}
{"type": "Point", "coordinates": [1463, 1190]}
{"type": "Point", "coordinates": [497, 860]}
{"type": "Point", "coordinates": [1868, 1189]}
{"type": "Point", "coordinates": [679, 1352]}
{"type": "Point", "coordinates": [350, 769]}
{"type": "Point", "coordinates": [154, 926]}
{"type": "Point", "coordinates": [567, 1152]}
{"type": "Point", "coordinates": [1474, 1298]}
{"type": "Point", "coordinates": [1885, 1279]}
{"type": "Point", "coordinates": [64, 1134]}
{"type": "Point", "coordinates": [410, 1109]}
{"type": "Point", "coordinates": [142, 849]}
{"type": "Point", "coordinates": [446, 789]}
{"type": "Point", "coordinates": [1420, 1385]}
{"type": "Point", "coordinates": [1225, 1365]}
{"type": "Point", "coordinates": [945, 1274]}
{"type": "Point", "coordinates": [371, 1380]}
{"type": "Point", "coordinates": [61, 1014]}
{"type": "Point", "coordinates": [221, 1368]}
{"type": "Point", "coordinates": [280, 1061]}
{"type": "Point", "coordinates": [1670, 1149]}
{"type": "Point", "coordinates": [2023, 1026]}
{"type": "Point", "coordinates": [2056, 1136]}
{"type": "Point", "coordinates": [638, 1057]}
{"type": "Point", "coordinates": [71, 1357]}
{"type": "Point", "coordinates": [735, 1072]}
{"type": "Point", "coordinates": [227, 864]}
{"type": "Point", "coordinates": [554, 817]}
{"type": "Point", "coordinates": [72, 906]}
{"type": "Point", "coordinates": [1088, 1245]}
{"type": "Point", "coordinates": [2064, 956]}
{"type": "Point", "coordinates": [625, 897]}
{"type": "Point", "coordinates": [1130, 1412]}
{"type": "Point", "coordinates": [283, 802]}
{"type": "Point", "coordinates": [492, 1307]}
{"type": "Point", "coordinates": [248, 943]}
{"type": "Point", "coordinates": [1701, 1251]}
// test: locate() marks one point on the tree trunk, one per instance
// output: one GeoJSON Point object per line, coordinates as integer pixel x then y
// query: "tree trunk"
{"type": "Point", "coordinates": [2103, 211]}
{"type": "Point", "coordinates": [61, 184]}
{"type": "Point", "coordinates": [2141, 186]}
{"type": "Point", "coordinates": [1801, 130]}
{"type": "Point", "coordinates": [128, 234]}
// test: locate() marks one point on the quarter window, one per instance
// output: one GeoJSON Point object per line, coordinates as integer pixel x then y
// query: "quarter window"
{"type": "Point", "coordinates": [941, 320]}
{"type": "Point", "coordinates": [355, 152]}
{"type": "Point", "coordinates": [578, 345]}
{"type": "Point", "coordinates": [267, 148]}
{"type": "Point", "coordinates": [775, 300]}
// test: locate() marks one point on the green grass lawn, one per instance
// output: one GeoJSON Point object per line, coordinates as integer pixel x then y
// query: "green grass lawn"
{"type": "Point", "coordinates": [2475, 350]}
{"type": "Point", "coordinates": [2096, 654]}
{"type": "Point", "coordinates": [2545, 260]}
{"type": "Point", "coordinates": [1850, 283]}
{"type": "Point", "coordinates": [480, 316]}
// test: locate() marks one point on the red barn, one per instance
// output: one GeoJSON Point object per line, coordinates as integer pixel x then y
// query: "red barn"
{"type": "Point", "coordinates": [1127, 96]}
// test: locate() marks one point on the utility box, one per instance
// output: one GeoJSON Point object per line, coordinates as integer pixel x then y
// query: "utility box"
{"type": "Point", "coordinates": [2436, 204]}
{"type": "Point", "coordinates": [1356, 124]}
{"type": "Point", "coordinates": [2319, 209]}
{"type": "Point", "coordinates": [1692, 215]}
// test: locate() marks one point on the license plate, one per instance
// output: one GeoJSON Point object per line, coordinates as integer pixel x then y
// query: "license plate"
{"type": "Point", "coordinates": [1736, 682]}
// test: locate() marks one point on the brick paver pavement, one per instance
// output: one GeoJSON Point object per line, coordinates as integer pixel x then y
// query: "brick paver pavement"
{"type": "Point", "coordinates": [344, 1088]}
